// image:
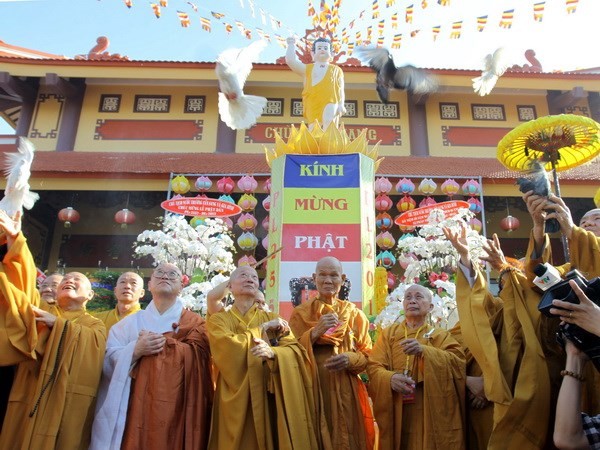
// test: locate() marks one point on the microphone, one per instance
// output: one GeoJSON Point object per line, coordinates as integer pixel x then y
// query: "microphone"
{"type": "Point", "coordinates": [546, 276]}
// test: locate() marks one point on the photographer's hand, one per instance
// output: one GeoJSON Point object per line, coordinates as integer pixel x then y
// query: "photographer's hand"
{"type": "Point", "coordinates": [585, 315]}
{"type": "Point", "coordinates": [561, 212]}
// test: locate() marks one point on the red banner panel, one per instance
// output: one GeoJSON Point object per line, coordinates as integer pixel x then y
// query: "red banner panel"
{"type": "Point", "coordinates": [149, 130]}
{"type": "Point", "coordinates": [313, 242]}
{"type": "Point", "coordinates": [473, 136]}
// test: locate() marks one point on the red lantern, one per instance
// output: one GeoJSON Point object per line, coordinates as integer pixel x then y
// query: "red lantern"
{"type": "Point", "coordinates": [68, 215]}
{"type": "Point", "coordinates": [125, 217]}
{"type": "Point", "coordinates": [509, 223]}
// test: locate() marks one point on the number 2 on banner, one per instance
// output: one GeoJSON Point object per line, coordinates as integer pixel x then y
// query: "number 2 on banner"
{"type": "Point", "coordinates": [369, 250]}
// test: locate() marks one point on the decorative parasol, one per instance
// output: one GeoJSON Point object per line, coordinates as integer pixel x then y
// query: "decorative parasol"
{"type": "Point", "coordinates": [558, 142]}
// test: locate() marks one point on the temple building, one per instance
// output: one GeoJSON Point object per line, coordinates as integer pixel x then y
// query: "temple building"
{"type": "Point", "coordinates": [111, 133]}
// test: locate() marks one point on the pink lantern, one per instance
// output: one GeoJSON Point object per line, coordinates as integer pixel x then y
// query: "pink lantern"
{"type": "Point", "coordinates": [405, 186]}
{"type": "Point", "coordinates": [474, 205]}
{"type": "Point", "coordinates": [427, 186]}
{"type": "Point", "coordinates": [427, 201]}
{"type": "Point", "coordinates": [471, 187]}
{"type": "Point", "coordinates": [267, 185]}
{"type": "Point", "coordinates": [391, 280]}
{"type": "Point", "coordinates": [406, 228]}
{"type": "Point", "coordinates": [476, 224]}
{"type": "Point", "coordinates": [384, 221]}
{"type": "Point", "coordinates": [225, 185]}
{"type": "Point", "coordinates": [247, 222]}
{"type": "Point", "coordinates": [68, 215]}
{"type": "Point", "coordinates": [124, 217]}
{"type": "Point", "coordinates": [509, 223]}
{"type": "Point", "coordinates": [247, 241]}
{"type": "Point", "coordinates": [247, 184]}
{"type": "Point", "coordinates": [383, 202]}
{"type": "Point", "coordinates": [265, 242]}
{"type": "Point", "coordinates": [203, 183]}
{"type": "Point", "coordinates": [385, 240]}
{"type": "Point", "coordinates": [228, 222]}
{"type": "Point", "coordinates": [247, 202]}
{"type": "Point", "coordinates": [267, 203]}
{"type": "Point", "coordinates": [406, 203]}
{"type": "Point", "coordinates": [405, 259]}
{"type": "Point", "coordinates": [246, 260]}
{"type": "Point", "coordinates": [382, 185]}
{"type": "Point", "coordinates": [450, 187]}
{"type": "Point", "coordinates": [265, 223]}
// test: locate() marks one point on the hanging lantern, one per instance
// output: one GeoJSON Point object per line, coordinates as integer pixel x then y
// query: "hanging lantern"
{"type": "Point", "coordinates": [265, 223]}
{"type": "Point", "coordinates": [226, 198]}
{"type": "Point", "coordinates": [68, 215]}
{"type": "Point", "coordinates": [474, 205]}
{"type": "Point", "coordinates": [247, 184]}
{"type": "Point", "coordinates": [383, 202]}
{"type": "Point", "coordinates": [406, 203]}
{"type": "Point", "coordinates": [405, 186]}
{"type": "Point", "coordinates": [228, 222]}
{"type": "Point", "coordinates": [405, 259]}
{"type": "Point", "coordinates": [267, 185]}
{"type": "Point", "coordinates": [125, 217]}
{"type": "Point", "coordinates": [427, 201]}
{"type": "Point", "coordinates": [471, 187]}
{"type": "Point", "coordinates": [476, 224]}
{"type": "Point", "coordinates": [180, 185]}
{"type": "Point", "coordinates": [203, 183]}
{"type": "Point", "coordinates": [427, 186]}
{"type": "Point", "coordinates": [385, 240]}
{"type": "Point", "coordinates": [406, 228]}
{"type": "Point", "coordinates": [509, 223]}
{"type": "Point", "coordinates": [197, 221]}
{"type": "Point", "coordinates": [225, 185]}
{"type": "Point", "coordinates": [267, 203]}
{"type": "Point", "coordinates": [265, 242]}
{"type": "Point", "coordinates": [382, 185]}
{"type": "Point", "coordinates": [385, 259]}
{"type": "Point", "coordinates": [247, 241]}
{"type": "Point", "coordinates": [391, 281]}
{"type": "Point", "coordinates": [246, 260]}
{"type": "Point", "coordinates": [450, 187]}
{"type": "Point", "coordinates": [384, 221]}
{"type": "Point", "coordinates": [247, 202]}
{"type": "Point", "coordinates": [247, 222]}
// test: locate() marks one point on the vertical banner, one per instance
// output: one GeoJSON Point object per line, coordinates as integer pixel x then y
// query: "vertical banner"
{"type": "Point", "coordinates": [321, 205]}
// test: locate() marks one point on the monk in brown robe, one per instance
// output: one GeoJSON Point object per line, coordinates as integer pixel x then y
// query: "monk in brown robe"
{"type": "Point", "coordinates": [51, 404]}
{"type": "Point", "coordinates": [48, 288]}
{"type": "Point", "coordinates": [129, 290]}
{"type": "Point", "coordinates": [156, 390]}
{"type": "Point", "coordinates": [335, 334]}
{"type": "Point", "coordinates": [417, 381]}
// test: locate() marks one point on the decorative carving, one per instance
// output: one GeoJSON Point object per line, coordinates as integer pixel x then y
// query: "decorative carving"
{"type": "Point", "coordinates": [535, 66]}
{"type": "Point", "coordinates": [99, 53]}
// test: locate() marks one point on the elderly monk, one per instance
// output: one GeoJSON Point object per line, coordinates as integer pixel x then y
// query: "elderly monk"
{"type": "Point", "coordinates": [48, 288]}
{"type": "Point", "coordinates": [156, 390]}
{"type": "Point", "coordinates": [264, 398]}
{"type": "Point", "coordinates": [335, 334]}
{"type": "Point", "coordinates": [128, 292]}
{"type": "Point", "coordinates": [51, 404]}
{"type": "Point", "coordinates": [417, 381]}
{"type": "Point", "coordinates": [215, 297]}
{"type": "Point", "coordinates": [323, 94]}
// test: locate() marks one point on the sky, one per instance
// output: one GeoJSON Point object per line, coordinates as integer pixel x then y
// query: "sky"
{"type": "Point", "coordinates": [70, 27]}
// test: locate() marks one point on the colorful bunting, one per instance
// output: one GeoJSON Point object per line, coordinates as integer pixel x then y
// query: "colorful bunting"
{"type": "Point", "coordinates": [184, 19]}
{"type": "Point", "coordinates": [408, 17]}
{"type": "Point", "coordinates": [481, 23]}
{"type": "Point", "coordinates": [156, 9]}
{"type": "Point", "coordinates": [395, 21]}
{"type": "Point", "coordinates": [350, 48]}
{"type": "Point", "coordinates": [163, 3]}
{"type": "Point", "coordinates": [311, 9]}
{"type": "Point", "coordinates": [217, 15]}
{"type": "Point", "coordinates": [571, 6]}
{"type": "Point", "coordinates": [456, 30]}
{"type": "Point", "coordinates": [444, 2]}
{"type": "Point", "coordinates": [381, 27]}
{"type": "Point", "coordinates": [507, 18]}
{"type": "Point", "coordinates": [414, 33]}
{"type": "Point", "coordinates": [380, 41]}
{"type": "Point", "coordinates": [193, 5]}
{"type": "Point", "coordinates": [538, 11]}
{"type": "Point", "coordinates": [397, 41]}
{"type": "Point", "coordinates": [375, 9]}
{"type": "Point", "coordinates": [128, 3]}
{"type": "Point", "coordinates": [369, 33]}
{"type": "Point", "coordinates": [435, 31]}
{"type": "Point", "coordinates": [205, 24]}
{"type": "Point", "coordinates": [389, 3]}
{"type": "Point", "coordinates": [424, 4]}
{"type": "Point", "coordinates": [228, 27]}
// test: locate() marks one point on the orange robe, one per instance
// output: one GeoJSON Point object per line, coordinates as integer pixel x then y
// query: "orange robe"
{"type": "Point", "coordinates": [51, 405]}
{"type": "Point", "coordinates": [259, 405]}
{"type": "Point", "coordinates": [434, 420]}
{"type": "Point", "coordinates": [110, 317]}
{"type": "Point", "coordinates": [171, 393]}
{"type": "Point", "coordinates": [343, 394]}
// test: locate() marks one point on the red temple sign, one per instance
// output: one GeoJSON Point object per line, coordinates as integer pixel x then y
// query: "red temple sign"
{"type": "Point", "coordinates": [418, 217]}
{"type": "Point", "coordinates": [201, 206]}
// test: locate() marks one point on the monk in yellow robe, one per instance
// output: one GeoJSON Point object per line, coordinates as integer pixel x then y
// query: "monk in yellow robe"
{"type": "Point", "coordinates": [51, 405]}
{"type": "Point", "coordinates": [417, 381]}
{"type": "Point", "coordinates": [156, 390]}
{"type": "Point", "coordinates": [48, 288]}
{"type": "Point", "coordinates": [323, 95]}
{"type": "Point", "coordinates": [128, 292]}
{"type": "Point", "coordinates": [264, 398]}
{"type": "Point", "coordinates": [335, 334]}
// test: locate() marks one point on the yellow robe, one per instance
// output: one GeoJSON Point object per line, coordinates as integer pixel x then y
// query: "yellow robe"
{"type": "Point", "coordinates": [259, 405]}
{"type": "Point", "coordinates": [515, 371]}
{"type": "Point", "coordinates": [17, 293]}
{"type": "Point", "coordinates": [343, 393]}
{"type": "Point", "coordinates": [110, 317]}
{"type": "Point", "coordinates": [328, 90]}
{"type": "Point", "coordinates": [434, 421]}
{"type": "Point", "coordinates": [51, 405]}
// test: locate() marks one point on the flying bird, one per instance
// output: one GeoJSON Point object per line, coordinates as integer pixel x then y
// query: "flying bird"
{"type": "Point", "coordinates": [18, 170]}
{"type": "Point", "coordinates": [495, 66]}
{"type": "Point", "coordinates": [409, 78]}
{"type": "Point", "coordinates": [238, 110]}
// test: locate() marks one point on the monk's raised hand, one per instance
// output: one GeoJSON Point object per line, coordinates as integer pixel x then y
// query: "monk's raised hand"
{"type": "Point", "coordinates": [557, 209]}
{"type": "Point", "coordinates": [148, 343]}
{"type": "Point", "coordinates": [44, 317]}
{"type": "Point", "coordinates": [495, 256]}
{"type": "Point", "coordinates": [337, 362]}
{"type": "Point", "coordinates": [402, 383]}
{"type": "Point", "coordinates": [326, 322]}
{"type": "Point", "coordinates": [411, 347]}
{"type": "Point", "coordinates": [262, 350]}
{"type": "Point", "coordinates": [278, 324]}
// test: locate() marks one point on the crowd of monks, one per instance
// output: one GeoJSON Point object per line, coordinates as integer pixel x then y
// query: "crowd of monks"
{"type": "Point", "coordinates": [164, 377]}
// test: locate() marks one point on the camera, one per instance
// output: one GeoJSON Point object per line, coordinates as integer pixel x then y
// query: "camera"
{"type": "Point", "coordinates": [537, 181]}
{"type": "Point", "coordinates": [587, 342]}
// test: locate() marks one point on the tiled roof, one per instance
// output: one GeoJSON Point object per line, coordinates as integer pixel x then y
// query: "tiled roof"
{"type": "Point", "coordinates": [120, 165]}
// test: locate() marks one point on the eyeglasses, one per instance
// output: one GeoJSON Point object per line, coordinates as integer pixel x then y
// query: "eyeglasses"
{"type": "Point", "coordinates": [172, 275]}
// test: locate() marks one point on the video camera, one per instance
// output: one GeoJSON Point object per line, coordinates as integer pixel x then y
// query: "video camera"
{"type": "Point", "coordinates": [587, 342]}
{"type": "Point", "coordinates": [536, 180]}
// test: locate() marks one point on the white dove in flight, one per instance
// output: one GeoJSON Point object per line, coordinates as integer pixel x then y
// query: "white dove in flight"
{"type": "Point", "coordinates": [238, 110]}
{"type": "Point", "coordinates": [17, 170]}
{"type": "Point", "coordinates": [495, 66]}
